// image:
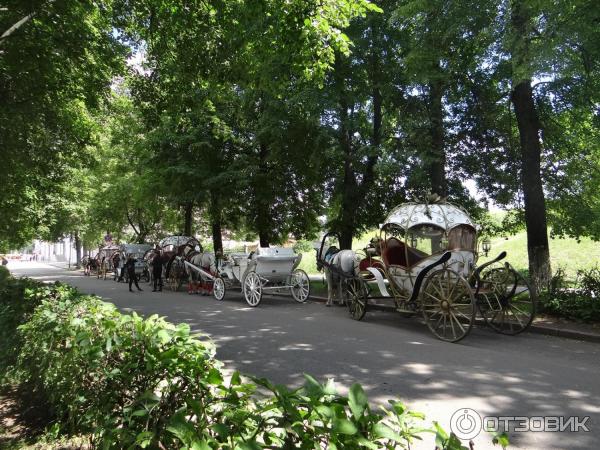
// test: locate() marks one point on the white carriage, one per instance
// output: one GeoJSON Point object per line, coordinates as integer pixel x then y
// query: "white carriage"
{"type": "Point", "coordinates": [266, 269]}
{"type": "Point", "coordinates": [425, 261]}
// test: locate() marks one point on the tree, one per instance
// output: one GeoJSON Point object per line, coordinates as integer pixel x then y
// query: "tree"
{"type": "Point", "coordinates": [56, 62]}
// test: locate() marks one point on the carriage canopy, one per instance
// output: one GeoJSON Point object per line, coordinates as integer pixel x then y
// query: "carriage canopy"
{"type": "Point", "coordinates": [443, 215]}
{"type": "Point", "coordinates": [136, 250]}
{"type": "Point", "coordinates": [177, 241]}
{"type": "Point", "coordinates": [430, 229]}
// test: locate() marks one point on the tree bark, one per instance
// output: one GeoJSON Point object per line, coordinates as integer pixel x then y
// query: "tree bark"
{"type": "Point", "coordinates": [77, 250]}
{"type": "Point", "coordinates": [349, 183]}
{"type": "Point", "coordinates": [188, 219]}
{"type": "Point", "coordinates": [353, 192]}
{"type": "Point", "coordinates": [215, 218]}
{"type": "Point", "coordinates": [436, 157]}
{"type": "Point", "coordinates": [533, 191]}
{"type": "Point", "coordinates": [263, 215]}
{"type": "Point", "coordinates": [529, 129]}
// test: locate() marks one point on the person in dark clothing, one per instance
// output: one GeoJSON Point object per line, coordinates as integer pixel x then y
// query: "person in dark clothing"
{"type": "Point", "coordinates": [157, 274]}
{"type": "Point", "coordinates": [130, 267]}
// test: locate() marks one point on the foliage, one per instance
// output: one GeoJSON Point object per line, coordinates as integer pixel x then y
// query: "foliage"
{"type": "Point", "coordinates": [54, 69]}
{"type": "Point", "coordinates": [133, 382]}
{"type": "Point", "coordinates": [579, 300]}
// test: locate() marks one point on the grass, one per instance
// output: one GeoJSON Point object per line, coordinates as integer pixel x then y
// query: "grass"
{"type": "Point", "coordinates": [566, 253]}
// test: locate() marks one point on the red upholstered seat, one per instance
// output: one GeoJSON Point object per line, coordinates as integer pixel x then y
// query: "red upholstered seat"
{"type": "Point", "coordinates": [395, 254]}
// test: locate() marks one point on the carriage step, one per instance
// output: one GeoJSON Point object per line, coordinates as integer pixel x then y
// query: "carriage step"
{"type": "Point", "coordinates": [409, 311]}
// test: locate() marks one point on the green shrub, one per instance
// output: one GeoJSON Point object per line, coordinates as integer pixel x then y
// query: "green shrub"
{"type": "Point", "coordinates": [578, 301]}
{"type": "Point", "coordinates": [129, 382]}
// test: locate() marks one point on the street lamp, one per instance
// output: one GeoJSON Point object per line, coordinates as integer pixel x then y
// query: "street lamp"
{"type": "Point", "coordinates": [413, 241]}
{"type": "Point", "coordinates": [486, 246]}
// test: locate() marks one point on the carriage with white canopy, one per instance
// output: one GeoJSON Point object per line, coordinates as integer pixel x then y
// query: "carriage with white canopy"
{"type": "Point", "coordinates": [271, 269]}
{"type": "Point", "coordinates": [137, 252]}
{"type": "Point", "coordinates": [425, 260]}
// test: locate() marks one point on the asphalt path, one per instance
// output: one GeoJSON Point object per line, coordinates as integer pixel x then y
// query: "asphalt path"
{"type": "Point", "coordinates": [528, 375]}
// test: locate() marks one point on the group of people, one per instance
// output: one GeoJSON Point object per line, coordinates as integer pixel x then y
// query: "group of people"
{"type": "Point", "coordinates": [129, 268]}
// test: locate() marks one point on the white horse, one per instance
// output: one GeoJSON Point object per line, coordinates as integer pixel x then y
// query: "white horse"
{"type": "Point", "coordinates": [199, 283]}
{"type": "Point", "coordinates": [339, 263]}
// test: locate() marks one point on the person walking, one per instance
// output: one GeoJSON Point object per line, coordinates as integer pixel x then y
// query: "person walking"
{"type": "Point", "coordinates": [130, 267]}
{"type": "Point", "coordinates": [157, 274]}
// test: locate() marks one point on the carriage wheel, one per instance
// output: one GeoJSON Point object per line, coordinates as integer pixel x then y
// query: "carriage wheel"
{"type": "Point", "coordinates": [506, 301]}
{"type": "Point", "coordinates": [300, 285]}
{"type": "Point", "coordinates": [219, 288]}
{"type": "Point", "coordinates": [448, 305]}
{"type": "Point", "coordinates": [356, 296]}
{"type": "Point", "coordinates": [252, 289]}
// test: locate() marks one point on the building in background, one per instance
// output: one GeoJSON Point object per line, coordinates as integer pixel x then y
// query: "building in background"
{"type": "Point", "coordinates": [61, 251]}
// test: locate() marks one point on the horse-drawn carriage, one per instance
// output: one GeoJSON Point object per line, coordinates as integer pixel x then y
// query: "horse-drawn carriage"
{"type": "Point", "coordinates": [266, 269]}
{"type": "Point", "coordinates": [105, 260]}
{"type": "Point", "coordinates": [171, 254]}
{"type": "Point", "coordinates": [137, 252]}
{"type": "Point", "coordinates": [425, 261]}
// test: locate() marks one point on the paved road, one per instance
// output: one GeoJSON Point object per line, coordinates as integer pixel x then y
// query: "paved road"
{"type": "Point", "coordinates": [392, 357]}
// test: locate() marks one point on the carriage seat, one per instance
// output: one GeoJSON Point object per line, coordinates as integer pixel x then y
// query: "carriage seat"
{"type": "Point", "coordinates": [395, 254]}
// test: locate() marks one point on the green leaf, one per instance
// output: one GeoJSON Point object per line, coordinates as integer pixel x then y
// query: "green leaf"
{"type": "Point", "coordinates": [501, 439]}
{"type": "Point", "coordinates": [221, 430]}
{"type": "Point", "coordinates": [381, 430]}
{"type": "Point", "coordinates": [236, 379]}
{"type": "Point", "coordinates": [214, 376]}
{"type": "Point", "coordinates": [163, 336]}
{"type": "Point", "coordinates": [344, 426]}
{"type": "Point", "coordinates": [200, 445]}
{"type": "Point", "coordinates": [357, 400]}
{"type": "Point", "coordinates": [144, 439]}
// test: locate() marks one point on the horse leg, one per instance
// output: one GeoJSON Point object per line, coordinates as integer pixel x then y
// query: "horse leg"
{"type": "Point", "coordinates": [340, 293]}
{"type": "Point", "coordinates": [330, 287]}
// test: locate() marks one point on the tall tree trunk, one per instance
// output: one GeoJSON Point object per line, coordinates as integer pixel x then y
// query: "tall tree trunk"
{"type": "Point", "coordinates": [188, 218]}
{"type": "Point", "coordinates": [215, 225]}
{"type": "Point", "coordinates": [533, 191]}
{"type": "Point", "coordinates": [529, 128]}
{"type": "Point", "coordinates": [77, 250]}
{"type": "Point", "coordinates": [262, 189]}
{"type": "Point", "coordinates": [436, 158]}
{"type": "Point", "coordinates": [349, 183]}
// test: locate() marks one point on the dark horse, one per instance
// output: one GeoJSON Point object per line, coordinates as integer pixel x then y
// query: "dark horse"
{"type": "Point", "coordinates": [89, 263]}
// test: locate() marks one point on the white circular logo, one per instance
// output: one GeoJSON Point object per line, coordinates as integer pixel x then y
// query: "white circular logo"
{"type": "Point", "coordinates": [465, 423]}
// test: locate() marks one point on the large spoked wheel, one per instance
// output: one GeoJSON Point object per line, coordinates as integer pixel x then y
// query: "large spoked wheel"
{"type": "Point", "coordinates": [252, 289]}
{"type": "Point", "coordinates": [219, 288]}
{"type": "Point", "coordinates": [448, 305]}
{"type": "Point", "coordinates": [300, 285]}
{"type": "Point", "coordinates": [356, 295]}
{"type": "Point", "coordinates": [506, 301]}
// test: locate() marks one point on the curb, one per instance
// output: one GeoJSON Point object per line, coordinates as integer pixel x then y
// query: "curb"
{"type": "Point", "coordinates": [535, 329]}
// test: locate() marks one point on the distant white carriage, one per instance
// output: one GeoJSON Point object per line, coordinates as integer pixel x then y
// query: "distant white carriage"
{"type": "Point", "coordinates": [266, 269]}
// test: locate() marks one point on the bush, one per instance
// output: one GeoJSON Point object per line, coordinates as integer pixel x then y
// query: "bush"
{"type": "Point", "coordinates": [580, 301]}
{"type": "Point", "coordinates": [129, 382]}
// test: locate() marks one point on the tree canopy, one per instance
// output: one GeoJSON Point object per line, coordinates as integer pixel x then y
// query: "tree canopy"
{"type": "Point", "coordinates": [147, 118]}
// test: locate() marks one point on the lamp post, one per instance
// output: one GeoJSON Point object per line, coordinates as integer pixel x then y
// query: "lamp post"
{"type": "Point", "coordinates": [486, 246]}
{"type": "Point", "coordinates": [413, 241]}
